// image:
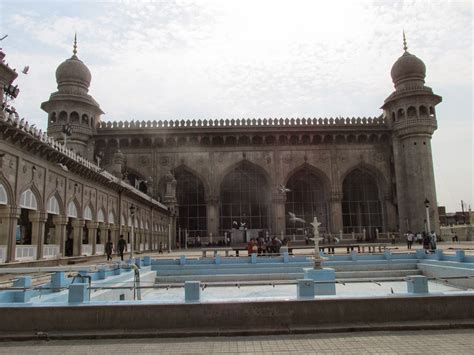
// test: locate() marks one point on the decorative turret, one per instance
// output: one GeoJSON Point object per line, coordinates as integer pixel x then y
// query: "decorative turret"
{"type": "Point", "coordinates": [72, 112]}
{"type": "Point", "coordinates": [410, 112]}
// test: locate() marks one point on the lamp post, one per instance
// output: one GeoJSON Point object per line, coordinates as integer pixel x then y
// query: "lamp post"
{"type": "Point", "coordinates": [132, 214]}
{"type": "Point", "coordinates": [427, 206]}
{"type": "Point", "coordinates": [67, 131]}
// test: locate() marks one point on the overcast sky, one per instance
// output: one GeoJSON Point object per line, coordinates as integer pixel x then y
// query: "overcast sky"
{"type": "Point", "coordinates": [156, 60]}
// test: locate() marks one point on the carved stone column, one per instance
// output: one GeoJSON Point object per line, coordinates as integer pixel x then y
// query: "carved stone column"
{"type": "Point", "coordinates": [60, 223]}
{"type": "Point", "coordinates": [92, 229]}
{"type": "Point", "coordinates": [279, 220]}
{"type": "Point", "coordinates": [115, 230]}
{"type": "Point", "coordinates": [9, 219]}
{"type": "Point", "coordinates": [212, 203]}
{"type": "Point", "coordinates": [77, 225]}
{"type": "Point", "coordinates": [335, 210]}
{"type": "Point", "coordinates": [104, 233]}
{"type": "Point", "coordinates": [38, 223]}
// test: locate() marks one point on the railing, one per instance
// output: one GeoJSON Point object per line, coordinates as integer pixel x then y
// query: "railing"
{"type": "Point", "coordinates": [26, 252]}
{"type": "Point", "coordinates": [86, 249]}
{"type": "Point", "coordinates": [99, 249]}
{"type": "Point", "coordinates": [3, 253]}
{"type": "Point", "coordinates": [50, 251]}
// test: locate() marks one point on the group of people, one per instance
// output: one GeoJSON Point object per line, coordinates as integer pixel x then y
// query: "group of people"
{"type": "Point", "coordinates": [121, 248]}
{"type": "Point", "coordinates": [428, 240]}
{"type": "Point", "coordinates": [266, 246]}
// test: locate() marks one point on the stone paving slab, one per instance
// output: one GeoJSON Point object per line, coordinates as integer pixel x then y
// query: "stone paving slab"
{"type": "Point", "coordinates": [458, 341]}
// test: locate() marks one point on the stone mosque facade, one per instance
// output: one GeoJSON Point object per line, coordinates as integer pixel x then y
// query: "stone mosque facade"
{"type": "Point", "coordinates": [366, 176]}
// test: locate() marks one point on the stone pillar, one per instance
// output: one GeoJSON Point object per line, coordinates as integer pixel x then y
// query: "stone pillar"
{"type": "Point", "coordinates": [104, 233]}
{"type": "Point", "coordinates": [8, 221]}
{"type": "Point", "coordinates": [279, 213]}
{"type": "Point", "coordinates": [114, 235]}
{"type": "Point", "coordinates": [77, 225]}
{"type": "Point", "coordinates": [335, 206]}
{"type": "Point", "coordinates": [92, 228]}
{"type": "Point", "coordinates": [212, 211]}
{"type": "Point", "coordinates": [60, 223]}
{"type": "Point", "coordinates": [38, 222]}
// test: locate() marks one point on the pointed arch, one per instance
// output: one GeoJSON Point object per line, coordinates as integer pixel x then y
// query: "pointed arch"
{"type": "Point", "coordinates": [244, 163]}
{"type": "Point", "coordinates": [30, 198]}
{"type": "Point", "coordinates": [245, 196]}
{"type": "Point", "coordinates": [374, 172]}
{"type": "Point", "coordinates": [191, 192]}
{"type": "Point", "coordinates": [309, 190]}
{"type": "Point", "coordinates": [362, 201]}
{"type": "Point", "coordinates": [73, 208]}
{"type": "Point", "coordinates": [6, 193]}
{"type": "Point", "coordinates": [101, 215]}
{"type": "Point", "coordinates": [111, 217]}
{"type": "Point", "coordinates": [55, 204]}
{"type": "Point", "coordinates": [314, 170]}
{"type": "Point", "coordinates": [88, 213]}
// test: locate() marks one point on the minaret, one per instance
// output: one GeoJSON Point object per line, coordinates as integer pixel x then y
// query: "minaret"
{"type": "Point", "coordinates": [71, 106]}
{"type": "Point", "coordinates": [410, 111]}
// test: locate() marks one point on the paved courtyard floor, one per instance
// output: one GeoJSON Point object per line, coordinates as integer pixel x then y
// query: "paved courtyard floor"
{"type": "Point", "coordinates": [460, 341]}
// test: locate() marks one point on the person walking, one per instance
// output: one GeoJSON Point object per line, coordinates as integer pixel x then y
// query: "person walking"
{"type": "Point", "coordinates": [122, 246]}
{"type": "Point", "coordinates": [109, 246]}
{"type": "Point", "coordinates": [433, 240]}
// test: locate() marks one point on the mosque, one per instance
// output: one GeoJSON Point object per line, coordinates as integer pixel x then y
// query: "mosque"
{"type": "Point", "coordinates": [170, 182]}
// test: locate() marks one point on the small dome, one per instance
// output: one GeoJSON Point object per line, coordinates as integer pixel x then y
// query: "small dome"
{"type": "Point", "coordinates": [73, 72]}
{"type": "Point", "coordinates": [408, 66]}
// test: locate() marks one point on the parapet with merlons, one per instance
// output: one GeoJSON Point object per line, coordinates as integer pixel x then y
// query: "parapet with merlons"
{"type": "Point", "coordinates": [253, 123]}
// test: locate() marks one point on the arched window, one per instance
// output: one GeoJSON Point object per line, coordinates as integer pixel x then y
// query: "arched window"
{"type": "Point", "coordinates": [244, 198]}
{"type": "Point", "coordinates": [306, 199]}
{"type": "Point", "coordinates": [432, 112]}
{"type": "Point", "coordinates": [423, 111]}
{"type": "Point", "coordinates": [74, 118]}
{"type": "Point", "coordinates": [63, 116]}
{"type": "Point", "coordinates": [85, 119]}
{"type": "Point", "coordinates": [52, 117]}
{"type": "Point", "coordinates": [361, 205]}
{"type": "Point", "coordinates": [100, 216]}
{"type": "Point", "coordinates": [28, 200]}
{"type": "Point", "coordinates": [72, 210]}
{"type": "Point", "coordinates": [191, 203]}
{"type": "Point", "coordinates": [111, 218]}
{"type": "Point", "coordinates": [53, 205]}
{"type": "Point", "coordinates": [88, 213]}
{"type": "Point", "coordinates": [411, 112]}
{"type": "Point", "coordinates": [3, 195]}
{"type": "Point", "coordinates": [401, 114]}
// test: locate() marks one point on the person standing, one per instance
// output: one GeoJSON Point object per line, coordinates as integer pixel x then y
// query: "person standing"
{"type": "Point", "coordinates": [433, 240]}
{"type": "Point", "coordinates": [410, 238]}
{"type": "Point", "coordinates": [109, 246]}
{"type": "Point", "coordinates": [122, 246]}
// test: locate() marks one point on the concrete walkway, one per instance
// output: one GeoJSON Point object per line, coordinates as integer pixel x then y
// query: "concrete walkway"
{"type": "Point", "coordinates": [399, 342]}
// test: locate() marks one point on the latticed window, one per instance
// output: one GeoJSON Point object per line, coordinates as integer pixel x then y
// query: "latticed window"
{"type": "Point", "coordinates": [306, 199]}
{"type": "Point", "coordinates": [192, 204]}
{"type": "Point", "coordinates": [72, 210]}
{"type": "Point", "coordinates": [244, 199]}
{"type": "Point", "coordinates": [28, 200]}
{"type": "Point", "coordinates": [361, 205]}
{"type": "Point", "coordinates": [53, 205]}
{"type": "Point", "coordinates": [3, 195]}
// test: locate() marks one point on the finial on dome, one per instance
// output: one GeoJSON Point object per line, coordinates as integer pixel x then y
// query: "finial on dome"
{"type": "Point", "coordinates": [74, 50]}
{"type": "Point", "coordinates": [404, 42]}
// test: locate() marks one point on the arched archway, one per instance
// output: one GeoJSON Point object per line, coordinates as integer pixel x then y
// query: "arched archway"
{"type": "Point", "coordinates": [191, 196]}
{"type": "Point", "coordinates": [245, 198]}
{"type": "Point", "coordinates": [361, 203]}
{"type": "Point", "coordinates": [306, 199]}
